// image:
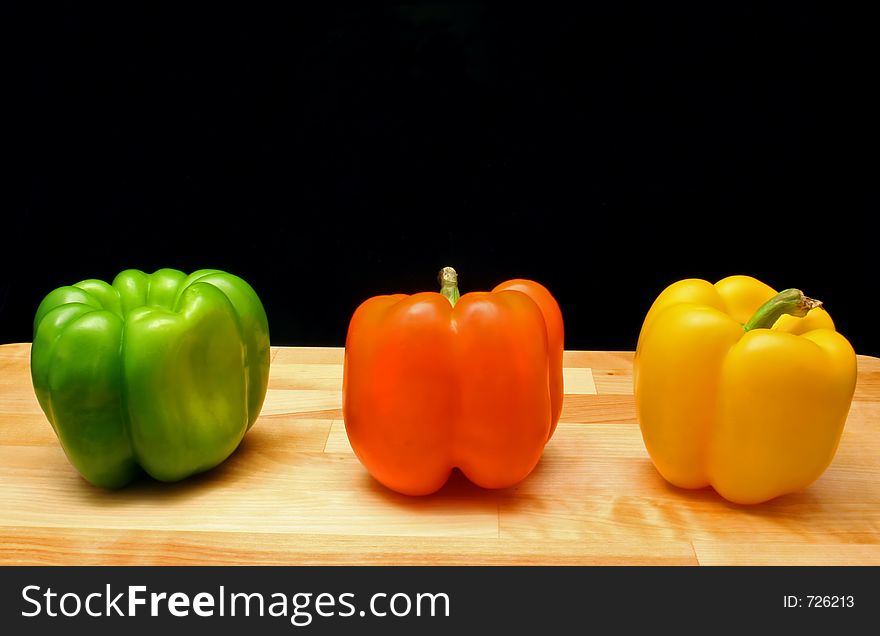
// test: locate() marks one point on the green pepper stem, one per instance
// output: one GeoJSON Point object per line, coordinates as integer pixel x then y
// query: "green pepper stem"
{"type": "Point", "coordinates": [788, 301]}
{"type": "Point", "coordinates": [449, 284]}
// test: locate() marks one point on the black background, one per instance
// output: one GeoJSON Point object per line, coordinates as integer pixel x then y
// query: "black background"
{"type": "Point", "coordinates": [333, 152]}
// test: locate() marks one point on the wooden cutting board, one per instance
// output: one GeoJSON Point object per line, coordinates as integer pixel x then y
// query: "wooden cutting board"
{"type": "Point", "coordinates": [294, 493]}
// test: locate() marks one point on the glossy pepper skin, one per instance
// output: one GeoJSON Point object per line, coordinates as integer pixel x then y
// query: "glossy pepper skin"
{"type": "Point", "coordinates": [164, 372]}
{"type": "Point", "coordinates": [754, 414]}
{"type": "Point", "coordinates": [478, 386]}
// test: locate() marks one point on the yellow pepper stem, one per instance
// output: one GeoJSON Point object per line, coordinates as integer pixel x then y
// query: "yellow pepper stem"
{"type": "Point", "coordinates": [449, 284]}
{"type": "Point", "coordinates": [788, 301]}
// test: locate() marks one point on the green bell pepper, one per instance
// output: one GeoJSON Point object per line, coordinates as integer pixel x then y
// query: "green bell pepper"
{"type": "Point", "coordinates": [164, 372]}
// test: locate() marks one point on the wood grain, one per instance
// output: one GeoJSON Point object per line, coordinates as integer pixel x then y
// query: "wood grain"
{"type": "Point", "coordinates": [294, 493]}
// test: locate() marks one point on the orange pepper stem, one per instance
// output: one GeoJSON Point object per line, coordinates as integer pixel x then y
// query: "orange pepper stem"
{"type": "Point", "coordinates": [788, 301]}
{"type": "Point", "coordinates": [449, 284]}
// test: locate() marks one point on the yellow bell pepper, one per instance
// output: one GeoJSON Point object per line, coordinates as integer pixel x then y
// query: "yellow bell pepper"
{"type": "Point", "coordinates": [741, 388]}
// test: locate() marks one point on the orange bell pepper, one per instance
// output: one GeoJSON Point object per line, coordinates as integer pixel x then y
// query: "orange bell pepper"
{"type": "Point", "coordinates": [432, 382]}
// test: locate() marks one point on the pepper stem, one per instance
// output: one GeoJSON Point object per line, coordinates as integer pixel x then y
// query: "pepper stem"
{"type": "Point", "coordinates": [788, 301]}
{"type": "Point", "coordinates": [448, 280]}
